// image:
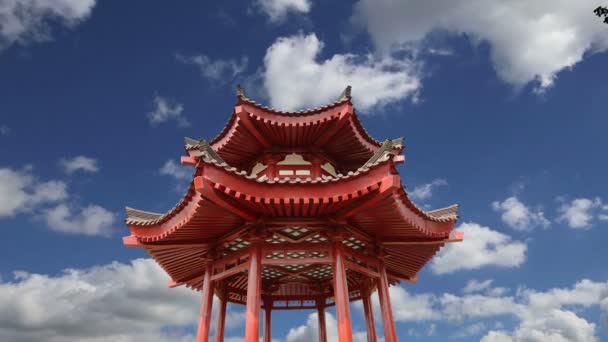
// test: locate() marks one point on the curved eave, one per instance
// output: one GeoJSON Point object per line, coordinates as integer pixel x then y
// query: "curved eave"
{"type": "Point", "coordinates": [253, 128]}
{"type": "Point", "coordinates": [220, 198]}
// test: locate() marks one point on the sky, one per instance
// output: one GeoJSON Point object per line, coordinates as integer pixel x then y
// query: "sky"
{"type": "Point", "coordinates": [502, 106]}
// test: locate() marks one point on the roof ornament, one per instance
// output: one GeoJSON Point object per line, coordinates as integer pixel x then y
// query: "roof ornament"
{"type": "Point", "coordinates": [240, 91]}
{"type": "Point", "coordinates": [209, 154]}
{"type": "Point", "coordinates": [345, 94]}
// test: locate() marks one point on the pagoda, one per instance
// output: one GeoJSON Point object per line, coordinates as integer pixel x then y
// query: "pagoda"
{"type": "Point", "coordinates": [293, 210]}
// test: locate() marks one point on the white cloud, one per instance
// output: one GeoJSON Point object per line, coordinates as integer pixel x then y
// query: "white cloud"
{"type": "Point", "coordinates": [408, 307]}
{"type": "Point", "coordinates": [25, 21]}
{"type": "Point", "coordinates": [277, 10]}
{"type": "Point", "coordinates": [580, 212]}
{"type": "Point", "coordinates": [474, 285]}
{"type": "Point", "coordinates": [310, 330]}
{"type": "Point", "coordinates": [175, 170]}
{"type": "Point", "coordinates": [79, 163]}
{"type": "Point", "coordinates": [555, 325]}
{"type": "Point", "coordinates": [425, 191]}
{"type": "Point", "coordinates": [543, 316]}
{"type": "Point", "coordinates": [20, 191]}
{"type": "Point", "coordinates": [5, 130]}
{"type": "Point", "coordinates": [530, 41]}
{"type": "Point", "coordinates": [90, 220]}
{"type": "Point", "coordinates": [481, 247]}
{"type": "Point", "coordinates": [295, 78]}
{"type": "Point", "coordinates": [103, 304]}
{"type": "Point", "coordinates": [471, 330]}
{"type": "Point", "coordinates": [518, 216]}
{"type": "Point", "coordinates": [165, 110]}
{"type": "Point", "coordinates": [100, 304]}
{"type": "Point", "coordinates": [216, 70]}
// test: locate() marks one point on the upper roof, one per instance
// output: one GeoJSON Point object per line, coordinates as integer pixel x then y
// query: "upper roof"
{"type": "Point", "coordinates": [334, 128]}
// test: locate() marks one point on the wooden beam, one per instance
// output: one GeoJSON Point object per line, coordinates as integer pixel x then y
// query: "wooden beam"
{"type": "Point", "coordinates": [230, 272]}
{"type": "Point", "coordinates": [311, 261]}
{"type": "Point", "coordinates": [243, 115]}
{"type": "Point", "coordinates": [132, 241]}
{"type": "Point", "coordinates": [455, 236]}
{"type": "Point", "coordinates": [361, 269]}
{"type": "Point", "coordinates": [189, 161]}
{"type": "Point", "coordinates": [207, 190]}
{"type": "Point", "coordinates": [388, 184]}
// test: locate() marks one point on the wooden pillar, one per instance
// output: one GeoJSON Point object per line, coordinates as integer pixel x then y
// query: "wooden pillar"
{"type": "Point", "coordinates": [316, 167]}
{"type": "Point", "coordinates": [321, 318]}
{"type": "Point", "coordinates": [220, 320]}
{"type": "Point", "coordinates": [369, 316]}
{"type": "Point", "coordinates": [267, 320]}
{"type": "Point", "coordinates": [206, 305]}
{"type": "Point", "coordinates": [271, 166]}
{"type": "Point", "coordinates": [345, 333]}
{"type": "Point", "coordinates": [390, 335]}
{"type": "Point", "coordinates": [254, 289]}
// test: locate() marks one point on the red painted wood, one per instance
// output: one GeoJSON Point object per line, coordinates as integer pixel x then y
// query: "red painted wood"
{"type": "Point", "coordinates": [268, 321]}
{"type": "Point", "coordinates": [321, 318]}
{"type": "Point", "coordinates": [345, 333]}
{"type": "Point", "coordinates": [390, 335]}
{"type": "Point", "coordinates": [254, 289]}
{"type": "Point", "coordinates": [369, 317]}
{"type": "Point", "coordinates": [206, 306]}
{"type": "Point", "coordinates": [220, 323]}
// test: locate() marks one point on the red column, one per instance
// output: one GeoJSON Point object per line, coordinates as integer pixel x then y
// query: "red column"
{"type": "Point", "coordinates": [321, 317]}
{"type": "Point", "coordinates": [206, 305]}
{"type": "Point", "coordinates": [369, 316]}
{"type": "Point", "coordinates": [345, 333]}
{"type": "Point", "coordinates": [390, 334]}
{"type": "Point", "coordinates": [267, 320]}
{"type": "Point", "coordinates": [254, 289]}
{"type": "Point", "coordinates": [271, 163]}
{"type": "Point", "coordinates": [316, 167]}
{"type": "Point", "coordinates": [220, 320]}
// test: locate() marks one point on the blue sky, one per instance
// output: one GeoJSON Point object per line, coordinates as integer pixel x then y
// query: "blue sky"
{"type": "Point", "coordinates": [502, 106]}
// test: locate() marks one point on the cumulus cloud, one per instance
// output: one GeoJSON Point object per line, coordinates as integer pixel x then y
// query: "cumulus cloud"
{"type": "Point", "coordinates": [104, 303]}
{"type": "Point", "coordinates": [294, 76]}
{"type": "Point", "coordinates": [221, 71]}
{"type": "Point", "coordinates": [580, 213]}
{"type": "Point", "coordinates": [543, 316]}
{"type": "Point", "coordinates": [310, 330]}
{"type": "Point", "coordinates": [28, 21]}
{"type": "Point", "coordinates": [99, 304]}
{"type": "Point", "coordinates": [90, 220]}
{"type": "Point", "coordinates": [529, 41]}
{"type": "Point", "coordinates": [408, 307]}
{"type": "Point", "coordinates": [175, 170]}
{"type": "Point", "coordinates": [481, 247]}
{"type": "Point", "coordinates": [518, 216]}
{"type": "Point", "coordinates": [79, 163]}
{"type": "Point", "coordinates": [425, 191]}
{"type": "Point", "coordinates": [277, 10]}
{"type": "Point", "coordinates": [475, 285]}
{"type": "Point", "coordinates": [167, 110]}
{"type": "Point", "coordinates": [21, 191]}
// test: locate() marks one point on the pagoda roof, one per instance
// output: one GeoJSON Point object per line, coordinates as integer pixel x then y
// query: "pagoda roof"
{"type": "Point", "coordinates": [221, 200]}
{"type": "Point", "coordinates": [224, 204]}
{"type": "Point", "coordinates": [334, 128]}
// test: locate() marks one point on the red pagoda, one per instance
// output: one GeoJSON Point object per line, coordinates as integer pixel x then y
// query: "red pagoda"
{"type": "Point", "coordinates": [293, 210]}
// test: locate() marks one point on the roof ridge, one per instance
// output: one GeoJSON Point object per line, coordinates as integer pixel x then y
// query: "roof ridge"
{"type": "Point", "coordinates": [344, 97]}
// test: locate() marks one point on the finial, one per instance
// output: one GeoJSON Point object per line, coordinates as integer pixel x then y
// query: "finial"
{"type": "Point", "coordinates": [345, 94]}
{"type": "Point", "coordinates": [240, 91]}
